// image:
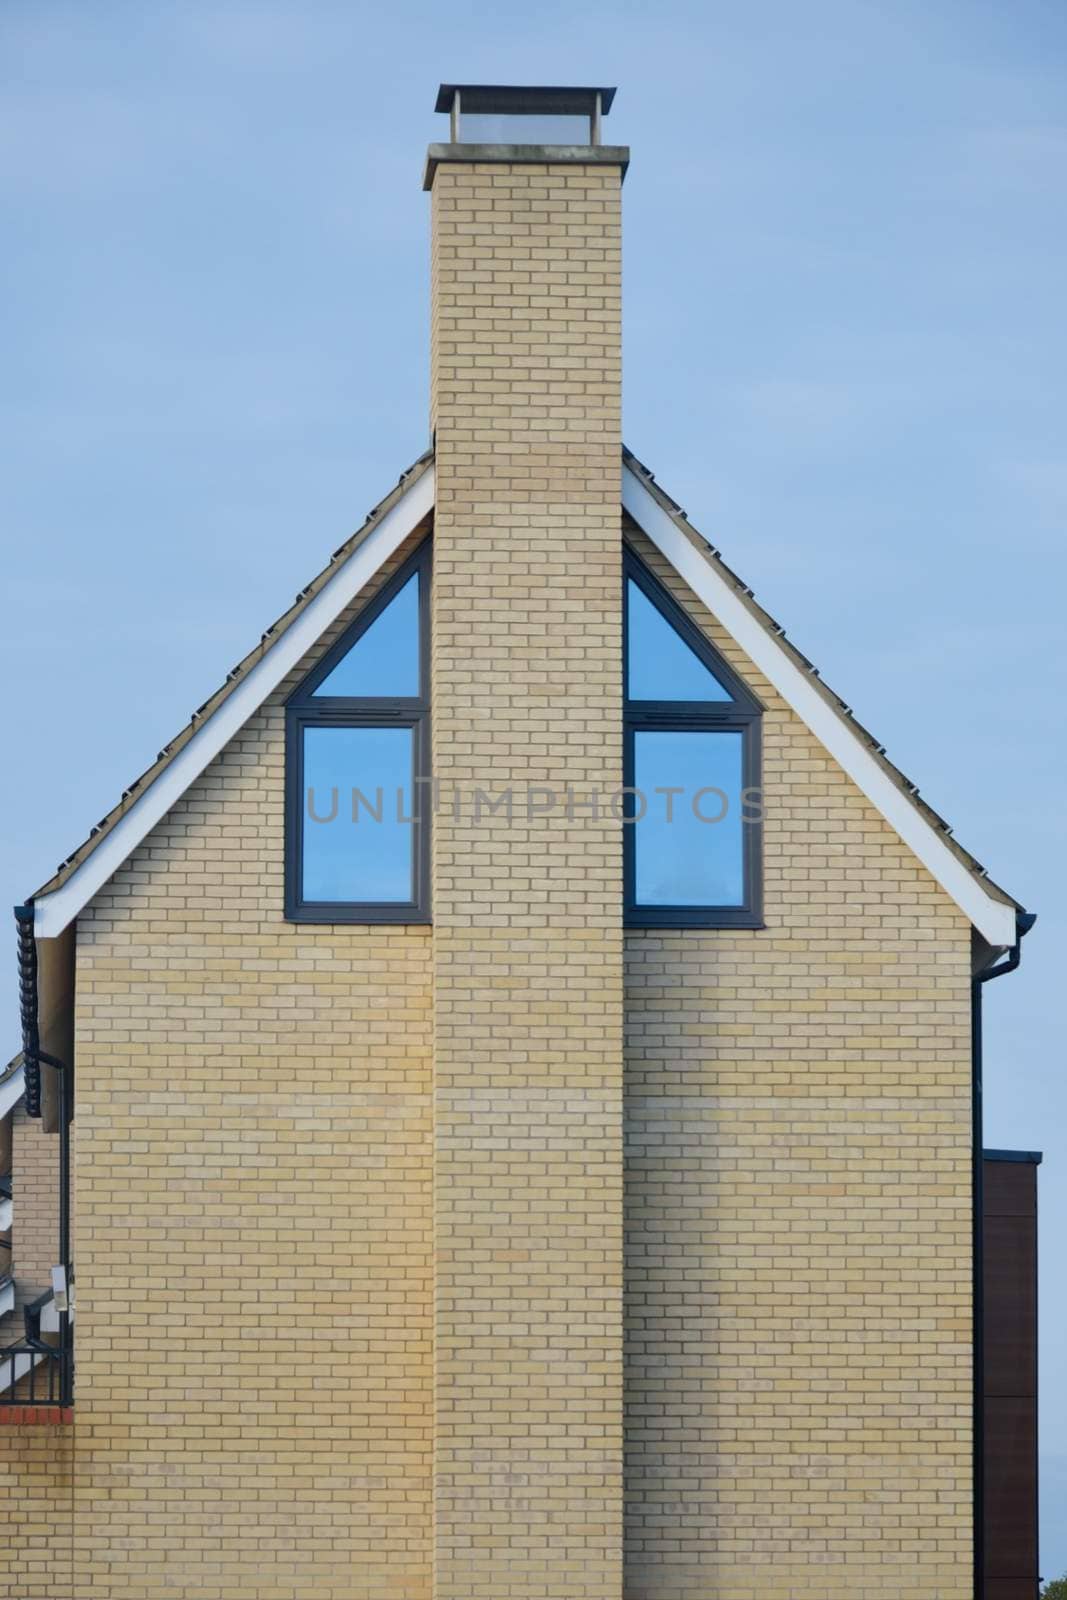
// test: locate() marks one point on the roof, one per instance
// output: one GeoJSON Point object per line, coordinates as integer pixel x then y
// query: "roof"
{"type": "Point", "coordinates": [246, 686]}
{"type": "Point", "coordinates": [989, 908]}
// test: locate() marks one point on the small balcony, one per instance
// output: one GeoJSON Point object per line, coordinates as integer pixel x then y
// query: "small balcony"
{"type": "Point", "coordinates": [37, 1372]}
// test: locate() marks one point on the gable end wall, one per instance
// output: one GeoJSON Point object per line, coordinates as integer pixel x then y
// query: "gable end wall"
{"type": "Point", "coordinates": [798, 1199]}
{"type": "Point", "coordinates": [254, 1226]}
{"type": "Point", "coordinates": [253, 1234]}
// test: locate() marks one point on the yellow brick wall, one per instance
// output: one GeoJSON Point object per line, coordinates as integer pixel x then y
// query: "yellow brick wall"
{"type": "Point", "coordinates": [35, 1191]}
{"type": "Point", "coordinates": [527, 910]}
{"type": "Point", "coordinates": [36, 1513]}
{"type": "Point", "coordinates": [253, 1226]}
{"type": "Point", "coordinates": [798, 1260]}
{"type": "Point", "coordinates": [253, 1160]}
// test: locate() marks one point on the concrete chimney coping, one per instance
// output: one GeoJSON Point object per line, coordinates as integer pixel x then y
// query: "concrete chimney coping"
{"type": "Point", "coordinates": [590, 155]}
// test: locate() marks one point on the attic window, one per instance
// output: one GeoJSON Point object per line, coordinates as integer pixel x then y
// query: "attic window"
{"type": "Point", "coordinates": [357, 744]}
{"type": "Point", "coordinates": [383, 660]}
{"type": "Point", "coordinates": [692, 766]}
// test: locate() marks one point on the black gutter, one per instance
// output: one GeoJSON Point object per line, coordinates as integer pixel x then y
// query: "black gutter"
{"type": "Point", "coordinates": [31, 1044]}
{"type": "Point", "coordinates": [1024, 921]}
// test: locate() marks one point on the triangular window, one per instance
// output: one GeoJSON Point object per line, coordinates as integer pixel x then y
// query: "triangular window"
{"type": "Point", "coordinates": [692, 771]}
{"type": "Point", "coordinates": [383, 661]}
{"type": "Point", "coordinates": [357, 765]}
{"type": "Point", "coordinates": [661, 665]}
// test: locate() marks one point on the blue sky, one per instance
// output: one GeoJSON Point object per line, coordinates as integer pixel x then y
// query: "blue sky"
{"type": "Point", "coordinates": [845, 248]}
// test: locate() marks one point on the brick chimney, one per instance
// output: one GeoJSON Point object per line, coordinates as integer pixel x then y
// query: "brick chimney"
{"type": "Point", "coordinates": [527, 882]}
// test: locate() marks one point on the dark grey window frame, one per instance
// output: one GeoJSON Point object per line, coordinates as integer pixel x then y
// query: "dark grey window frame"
{"type": "Point", "coordinates": [742, 714]}
{"type": "Point", "coordinates": [303, 710]}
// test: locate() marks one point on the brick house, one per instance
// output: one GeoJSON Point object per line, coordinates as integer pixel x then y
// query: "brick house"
{"type": "Point", "coordinates": [526, 1134]}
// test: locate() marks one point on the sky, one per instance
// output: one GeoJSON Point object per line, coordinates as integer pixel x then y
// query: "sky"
{"type": "Point", "coordinates": [845, 249]}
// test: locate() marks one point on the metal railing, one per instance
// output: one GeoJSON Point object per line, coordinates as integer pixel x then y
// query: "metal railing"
{"type": "Point", "coordinates": [35, 1372]}
{"type": "Point", "coordinates": [5, 1194]}
{"type": "Point", "coordinates": [38, 1371]}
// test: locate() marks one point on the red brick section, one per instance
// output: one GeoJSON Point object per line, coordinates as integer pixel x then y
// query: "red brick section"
{"type": "Point", "coordinates": [35, 1416]}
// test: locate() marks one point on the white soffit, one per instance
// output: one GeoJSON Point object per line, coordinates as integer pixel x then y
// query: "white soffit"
{"type": "Point", "coordinates": [994, 920]}
{"type": "Point", "coordinates": [53, 912]}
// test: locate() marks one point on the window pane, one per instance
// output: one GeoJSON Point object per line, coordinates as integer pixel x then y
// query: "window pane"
{"type": "Point", "coordinates": [661, 664]}
{"type": "Point", "coordinates": [357, 794]}
{"type": "Point", "coordinates": [385, 659]}
{"type": "Point", "coordinates": [688, 845]}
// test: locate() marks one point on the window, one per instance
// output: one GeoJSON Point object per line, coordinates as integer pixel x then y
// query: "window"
{"type": "Point", "coordinates": [357, 744]}
{"type": "Point", "coordinates": [692, 771]}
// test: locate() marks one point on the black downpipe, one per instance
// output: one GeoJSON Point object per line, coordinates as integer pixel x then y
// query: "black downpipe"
{"type": "Point", "coordinates": [1024, 921]}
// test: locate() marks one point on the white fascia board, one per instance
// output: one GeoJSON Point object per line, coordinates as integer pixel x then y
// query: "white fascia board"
{"type": "Point", "coordinates": [994, 920]}
{"type": "Point", "coordinates": [11, 1091]}
{"type": "Point", "coordinates": [53, 912]}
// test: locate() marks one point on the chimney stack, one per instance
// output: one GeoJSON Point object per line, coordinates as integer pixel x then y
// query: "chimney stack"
{"type": "Point", "coordinates": [527, 881]}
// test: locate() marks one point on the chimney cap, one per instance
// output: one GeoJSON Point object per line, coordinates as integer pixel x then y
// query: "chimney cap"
{"type": "Point", "coordinates": [518, 100]}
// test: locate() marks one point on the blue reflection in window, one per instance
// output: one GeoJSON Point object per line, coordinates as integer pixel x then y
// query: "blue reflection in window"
{"type": "Point", "coordinates": [688, 858]}
{"type": "Point", "coordinates": [661, 664]}
{"type": "Point", "coordinates": [385, 659]}
{"type": "Point", "coordinates": [357, 799]}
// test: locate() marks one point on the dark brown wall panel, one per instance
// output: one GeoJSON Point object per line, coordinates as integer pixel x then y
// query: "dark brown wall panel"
{"type": "Point", "coordinates": [1010, 1256]}
{"type": "Point", "coordinates": [1010, 1589]}
{"type": "Point", "coordinates": [1011, 1188]}
{"type": "Point", "coordinates": [1009, 1378]}
{"type": "Point", "coordinates": [1010, 1487]}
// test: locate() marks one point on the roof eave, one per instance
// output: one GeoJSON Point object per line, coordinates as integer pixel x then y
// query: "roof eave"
{"type": "Point", "coordinates": [283, 644]}
{"type": "Point", "coordinates": [989, 908]}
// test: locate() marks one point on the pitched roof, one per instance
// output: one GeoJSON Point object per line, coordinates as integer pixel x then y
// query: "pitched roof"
{"type": "Point", "coordinates": [211, 725]}
{"type": "Point", "coordinates": [990, 909]}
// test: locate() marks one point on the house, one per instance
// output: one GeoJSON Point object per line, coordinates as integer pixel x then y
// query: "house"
{"type": "Point", "coordinates": [523, 1044]}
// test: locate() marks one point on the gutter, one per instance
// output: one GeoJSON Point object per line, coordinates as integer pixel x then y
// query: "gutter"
{"type": "Point", "coordinates": [1024, 921]}
{"type": "Point", "coordinates": [31, 1042]}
